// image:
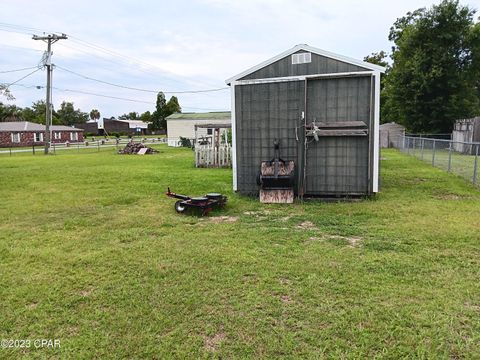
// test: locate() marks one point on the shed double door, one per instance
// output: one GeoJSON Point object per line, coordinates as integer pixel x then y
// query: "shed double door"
{"type": "Point", "coordinates": [338, 165]}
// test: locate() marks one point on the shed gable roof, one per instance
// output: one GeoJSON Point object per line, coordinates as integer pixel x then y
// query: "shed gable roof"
{"type": "Point", "coordinates": [311, 49]}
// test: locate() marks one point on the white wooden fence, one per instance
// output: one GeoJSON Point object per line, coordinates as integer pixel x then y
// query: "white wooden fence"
{"type": "Point", "coordinates": [213, 156]}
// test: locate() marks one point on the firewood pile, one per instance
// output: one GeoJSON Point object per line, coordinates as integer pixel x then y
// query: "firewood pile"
{"type": "Point", "coordinates": [134, 148]}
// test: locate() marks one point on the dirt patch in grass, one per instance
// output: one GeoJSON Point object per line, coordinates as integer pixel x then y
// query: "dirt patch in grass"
{"type": "Point", "coordinates": [212, 342]}
{"type": "Point", "coordinates": [85, 293]}
{"type": "Point", "coordinates": [223, 219]}
{"type": "Point", "coordinates": [32, 306]}
{"type": "Point", "coordinates": [72, 330]}
{"type": "Point", "coordinates": [249, 278]}
{"type": "Point", "coordinates": [286, 299]}
{"type": "Point", "coordinates": [353, 241]}
{"type": "Point", "coordinates": [257, 213]}
{"type": "Point", "coordinates": [306, 225]}
{"type": "Point", "coordinates": [450, 197]}
{"type": "Point", "coordinates": [472, 307]}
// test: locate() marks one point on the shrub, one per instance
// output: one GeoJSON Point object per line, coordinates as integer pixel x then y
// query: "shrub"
{"type": "Point", "coordinates": [184, 142]}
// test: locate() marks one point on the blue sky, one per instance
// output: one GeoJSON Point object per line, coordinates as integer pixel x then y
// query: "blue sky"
{"type": "Point", "coordinates": [176, 45]}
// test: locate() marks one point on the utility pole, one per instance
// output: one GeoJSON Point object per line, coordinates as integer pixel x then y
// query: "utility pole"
{"type": "Point", "coordinates": [49, 39]}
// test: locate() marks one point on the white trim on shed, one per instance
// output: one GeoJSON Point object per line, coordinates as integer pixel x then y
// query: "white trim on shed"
{"type": "Point", "coordinates": [376, 134]}
{"type": "Point", "coordinates": [311, 49]}
{"type": "Point", "coordinates": [234, 140]}
{"type": "Point", "coordinates": [372, 70]}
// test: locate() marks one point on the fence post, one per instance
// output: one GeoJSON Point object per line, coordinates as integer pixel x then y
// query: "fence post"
{"type": "Point", "coordinates": [475, 166]}
{"type": "Point", "coordinates": [98, 145]}
{"type": "Point", "coordinates": [422, 146]}
{"type": "Point", "coordinates": [449, 156]}
{"type": "Point", "coordinates": [433, 153]}
{"type": "Point", "coordinates": [33, 149]}
{"type": "Point", "coordinates": [414, 144]}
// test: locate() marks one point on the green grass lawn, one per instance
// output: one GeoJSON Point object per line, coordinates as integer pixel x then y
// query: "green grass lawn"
{"type": "Point", "coordinates": [460, 164]}
{"type": "Point", "coordinates": [92, 253]}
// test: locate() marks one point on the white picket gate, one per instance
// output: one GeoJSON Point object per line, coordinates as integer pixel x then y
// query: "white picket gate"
{"type": "Point", "coordinates": [213, 156]}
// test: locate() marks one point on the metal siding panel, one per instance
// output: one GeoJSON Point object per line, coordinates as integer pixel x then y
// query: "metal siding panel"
{"type": "Point", "coordinates": [265, 112]}
{"type": "Point", "coordinates": [338, 165]}
{"type": "Point", "coordinates": [319, 65]}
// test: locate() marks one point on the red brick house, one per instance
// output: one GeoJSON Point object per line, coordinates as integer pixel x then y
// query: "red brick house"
{"type": "Point", "coordinates": [24, 133]}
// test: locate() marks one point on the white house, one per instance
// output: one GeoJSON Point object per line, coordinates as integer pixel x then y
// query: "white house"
{"type": "Point", "coordinates": [183, 125]}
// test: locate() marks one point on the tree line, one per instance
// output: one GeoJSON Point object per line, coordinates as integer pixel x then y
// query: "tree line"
{"type": "Point", "coordinates": [432, 75]}
{"type": "Point", "coordinates": [68, 115]}
{"type": "Point", "coordinates": [433, 70]}
{"type": "Point", "coordinates": [157, 118]}
{"type": "Point", "coordinates": [65, 115]}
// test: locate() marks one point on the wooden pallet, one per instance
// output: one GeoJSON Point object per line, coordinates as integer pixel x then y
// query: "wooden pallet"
{"type": "Point", "coordinates": [276, 196]}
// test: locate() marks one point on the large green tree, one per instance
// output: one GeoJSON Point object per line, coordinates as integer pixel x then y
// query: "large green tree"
{"type": "Point", "coordinates": [173, 106]}
{"type": "Point", "coordinates": [380, 58]}
{"type": "Point", "coordinates": [435, 74]}
{"type": "Point", "coordinates": [133, 115]}
{"type": "Point", "coordinates": [10, 113]}
{"type": "Point", "coordinates": [162, 110]}
{"type": "Point", "coordinates": [158, 116]}
{"type": "Point", "coordinates": [68, 115]}
{"type": "Point", "coordinates": [146, 117]}
{"type": "Point", "coordinates": [37, 113]}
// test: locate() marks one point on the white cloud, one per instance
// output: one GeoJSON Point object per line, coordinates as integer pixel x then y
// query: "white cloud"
{"type": "Point", "coordinates": [184, 44]}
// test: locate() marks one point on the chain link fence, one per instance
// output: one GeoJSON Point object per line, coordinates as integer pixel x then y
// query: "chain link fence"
{"type": "Point", "coordinates": [460, 158]}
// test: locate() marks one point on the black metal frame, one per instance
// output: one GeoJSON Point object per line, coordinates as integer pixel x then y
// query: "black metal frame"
{"type": "Point", "coordinates": [276, 181]}
{"type": "Point", "coordinates": [202, 205]}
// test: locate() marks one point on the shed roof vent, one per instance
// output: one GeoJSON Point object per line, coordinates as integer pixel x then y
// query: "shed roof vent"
{"type": "Point", "coordinates": [301, 58]}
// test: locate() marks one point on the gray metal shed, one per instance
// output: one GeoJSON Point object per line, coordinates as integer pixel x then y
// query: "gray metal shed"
{"type": "Point", "coordinates": [301, 92]}
{"type": "Point", "coordinates": [390, 134]}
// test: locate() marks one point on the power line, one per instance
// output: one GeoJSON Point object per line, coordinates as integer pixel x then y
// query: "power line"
{"type": "Point", "coordinates": [15, 31]}
{"type": "Point", "coordinates": [14, 26]}
{"type": "Point", "coordinates": [114, 53]}
{"type": "Point", "coordinates": [126, 58]}
{"type": "Point", "coordinates": [24, 77]}
{"type": "Point", "coordinates": [119, 55]}
{"type": "Point", "coordinates": [110, 97]}
{"type": "Point", "coordinates": [28, 30]}
{"type": "Point", "coordinates": [138, 68]}
{"type": "Point", "coordinates": [10, 71]}
{"type": "Point", "coordinates": [104, 96]}
{"type": "Point", "coordinates": [139, 89]}
{"type": "Point", "coordinates": [20, 47]}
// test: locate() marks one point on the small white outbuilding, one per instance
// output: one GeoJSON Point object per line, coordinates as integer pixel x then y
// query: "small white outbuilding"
{"type": "Point", "coordinates": [184, 125]}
